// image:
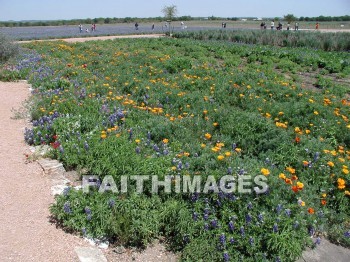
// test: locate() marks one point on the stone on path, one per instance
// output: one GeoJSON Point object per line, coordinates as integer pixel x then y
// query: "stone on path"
{"type": "Point", "coordinates": [325, 252]}
{"type": "Point", "coordinates": [90, 254]}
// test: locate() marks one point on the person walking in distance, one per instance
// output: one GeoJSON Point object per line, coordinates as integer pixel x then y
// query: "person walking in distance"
{"type": "Point", "coordinates": [296, 27]}
{"type": "Point", "coordinates": [272, 24]}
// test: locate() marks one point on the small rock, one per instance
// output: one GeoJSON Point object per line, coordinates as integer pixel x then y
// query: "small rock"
{"type": "Point", "coordinates": [103, 245]}
{"type": "Point", "coordinates": [90, 254]}
{"type": "Point", "coordinates": [72, 176]}
{"type": "Point", "coordinates": [120, 250]}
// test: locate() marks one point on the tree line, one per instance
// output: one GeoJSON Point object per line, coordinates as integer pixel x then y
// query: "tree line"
{"type": "Point", "coordinates": [114, 20]}
{"type": "Point", "coordinates": [100, 20]}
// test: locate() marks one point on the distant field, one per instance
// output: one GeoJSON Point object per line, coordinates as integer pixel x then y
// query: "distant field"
{"type": "Point", "coordinates": [45, 32]}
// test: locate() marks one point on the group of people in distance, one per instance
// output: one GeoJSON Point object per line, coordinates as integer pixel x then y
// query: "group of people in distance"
{"type": "Point", "coordinates": [280, 25]}
{"type": "Point", "coordinates": [93, 28]}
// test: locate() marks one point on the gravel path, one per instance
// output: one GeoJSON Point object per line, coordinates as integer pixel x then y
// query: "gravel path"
{"type": "Point", "coordinates": [25, 231]}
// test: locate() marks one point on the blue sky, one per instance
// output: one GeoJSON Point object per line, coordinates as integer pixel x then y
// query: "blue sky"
{"type": "Point", "coordinates": [71, 9]}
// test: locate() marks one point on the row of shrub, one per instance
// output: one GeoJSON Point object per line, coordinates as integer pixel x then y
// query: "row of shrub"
{"type": "Point", "coordinates": [315, 40]}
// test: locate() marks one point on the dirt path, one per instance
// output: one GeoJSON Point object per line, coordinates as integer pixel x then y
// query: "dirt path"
{"type": "Point", "coordinates": [25, 231]}
{"type": "Point", "coordinates": [84, 39]}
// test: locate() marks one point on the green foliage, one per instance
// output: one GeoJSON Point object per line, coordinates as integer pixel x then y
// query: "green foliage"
{"type": "Point", "coordinates": [290, 18]}
{"type": "Point", "coordinates": [8, 49]}
{"type": "Point", "coordinates": [322, 41]}
{"type": "Point", "coordinates": [169, 12]}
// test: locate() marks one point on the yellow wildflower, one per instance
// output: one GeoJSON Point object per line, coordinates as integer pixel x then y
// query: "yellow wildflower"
{"type": "Point", "coordinates": [265, 171]}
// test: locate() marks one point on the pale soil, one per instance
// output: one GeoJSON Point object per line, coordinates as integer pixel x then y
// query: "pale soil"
{"type": "Point", "coordinates": [84, 39]}
{"type": "Point", "coordinates": [26, 233]}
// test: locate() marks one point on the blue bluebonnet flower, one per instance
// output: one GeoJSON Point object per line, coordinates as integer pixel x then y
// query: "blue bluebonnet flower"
{"type": "Point", "coordinates": [156, 148]}
{"type": "Point", "coordinates": [218, 203]}
{"type": "Point", "coordinates": [130, 134]}
{"type": "Point", "coordinates": [241, 172]}
{"type": "Point", "coordinates": [165, 152]}
{"type": "Point", "coordinates": [231, 226]}
{"type": "Point", "coordinates": [248, 219]}
{"type": "Point", "coordinates": [187, 165]}
{"type": "Point", "coordinates": [111, 203]}
{"type": "Point", "coordinates": [229, 171]}
{"type": "Point", "coordinates": [311, 231]}
{"type": "Point", "coordinates": [88, 213]}
{"type": "Point", "coordinates": [232, 240]}
{"type": "Point", "coordinates": [66, 191]}
{"type": "Point", "coordinates": [318, 241]}
{"type": "Point", "coordinates": [278, 259]}
{"type": "Point", "coordinates": [179, 166]}
{"type": "Point", "coordinates": [186, 238]}
{"type": "Point", "coordinates": [174, 161]}
{"type": "Point", "coordinates": [83, 231]}
{"type": "Point", "coordinates": [260, 217]}
{"type": "Point", "coordinates": [222, 239]}
{"type": "Point", "coordinates": [137, 150]}
{"type": "Point", "coordinates": [251, 241]}
{"type": "Point", "coordinates": [195, 216]}
{"type": "Point", "coordinates": [279, 208]}
{"type": "Point", "coordinates": [86, 145]}
{"type": "Point", "coordinates": [250, 205]}
{"type": "Point", "coordinates": [61, 149]}
{"type": "Point", "coordinates": [226, 257]}
{"type": "Point", "coordinates": [287, 212]}
{"type": "Point", "coordinates": [316, 156]}
{"type": "Point", "coordinates": [221, 195]}
{"type": "Point", "coordinates": [242, 231]}
{"type": "Point", "coordinates": [149, 135]}
{"type": "Point", "coordinates": [66, 208]}
{"type": "Point", "coordinates": [296, 225]}
{"type": "Point", "coordinates": [275, 228]}
{"type": "Point", "coordinates": [234, 146]}
{"type": "Point", "coordinates": [214, 223]}
{"type": "Point", "coordinates": [206, 227]}
{"type": "Point", "coordinates": [347, 234]}
{"type": "Point", "coordinates": [195, 197]}
{"type": "Point", "coordinates": [320, 214]}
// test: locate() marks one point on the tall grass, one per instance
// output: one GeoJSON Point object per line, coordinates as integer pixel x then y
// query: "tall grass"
{"type": "Point", "coordinates": [315, 40]}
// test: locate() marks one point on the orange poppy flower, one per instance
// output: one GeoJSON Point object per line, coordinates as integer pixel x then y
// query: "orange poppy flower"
{"type": "Point", "coordinates": [311, 210]}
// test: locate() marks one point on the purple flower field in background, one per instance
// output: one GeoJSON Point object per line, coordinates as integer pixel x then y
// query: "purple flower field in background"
{"type": "Point", "coordinates": [66, 31]}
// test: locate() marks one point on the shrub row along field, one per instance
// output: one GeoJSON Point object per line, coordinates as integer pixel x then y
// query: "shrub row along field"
{"type": "Point", "coordinates": [196, 109]}
{"type": "Point", "coordinates": [323, 41]}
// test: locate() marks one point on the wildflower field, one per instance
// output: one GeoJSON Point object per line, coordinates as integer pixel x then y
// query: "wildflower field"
{"type": "Point", "coordinates": [189, 108]}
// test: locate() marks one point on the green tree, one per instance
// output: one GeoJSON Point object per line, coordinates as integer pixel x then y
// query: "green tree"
{"type": "Point", "coordinates": [169, 12]}
{"type": "Point", "coordinates": [290, 18]}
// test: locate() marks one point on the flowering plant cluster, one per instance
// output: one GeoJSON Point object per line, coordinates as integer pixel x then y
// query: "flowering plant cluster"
{"type": "Point", "coordinates": [187, 108]}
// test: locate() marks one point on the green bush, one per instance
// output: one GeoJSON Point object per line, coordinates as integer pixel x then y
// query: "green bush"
{"type": "Point", "coordinates": [7, 49]}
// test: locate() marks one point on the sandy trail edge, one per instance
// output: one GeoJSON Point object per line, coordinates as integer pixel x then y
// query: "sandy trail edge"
{"type": "Point", "coordinates": [84, 39]}
{"type": "Point", "coordinates": [25, 231]}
